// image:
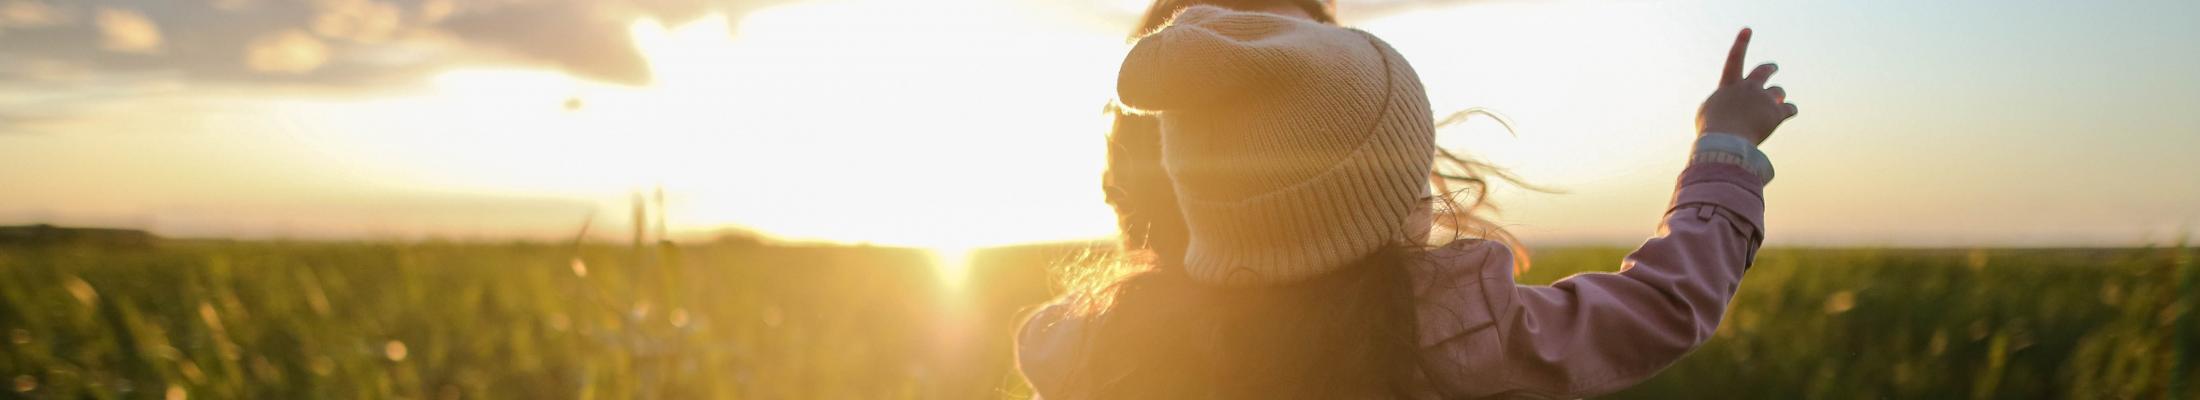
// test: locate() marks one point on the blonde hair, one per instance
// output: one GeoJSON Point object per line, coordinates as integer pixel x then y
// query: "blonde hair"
{"type": "Point", "coordinates": [1470, 178]}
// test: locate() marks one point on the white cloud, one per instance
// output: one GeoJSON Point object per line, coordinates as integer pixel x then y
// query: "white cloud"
{"type": "Point", "coordinates": [127, 31]}
{"type": "Point", "coordinates": [363, 21]}
{"type": "Point", "coordinates": [26, 14]}
{"type": "Point", "coordinates": [289, 52]}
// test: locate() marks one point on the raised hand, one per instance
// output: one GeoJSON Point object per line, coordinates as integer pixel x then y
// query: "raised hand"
{"type": "Point", "coordinates": [1743, 105]}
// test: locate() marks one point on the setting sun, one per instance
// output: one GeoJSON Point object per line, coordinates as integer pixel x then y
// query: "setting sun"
{"type": "Point", "coordinates": [824, 109]}
{"type": "Point", "coordinates": [758, 129]}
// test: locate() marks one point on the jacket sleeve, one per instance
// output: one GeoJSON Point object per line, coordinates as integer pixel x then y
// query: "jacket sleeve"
{"type": "Point", "coordinates": [1596, 333]}
{"type": "Point", "coordinates": [1207, 53]}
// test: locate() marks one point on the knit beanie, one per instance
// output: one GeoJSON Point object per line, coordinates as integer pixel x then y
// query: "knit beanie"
{"type": "Point", "coordinates": [1296, 148]}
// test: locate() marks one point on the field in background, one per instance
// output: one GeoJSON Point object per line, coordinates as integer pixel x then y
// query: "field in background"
{"type": "Point", "coordinates": [741, 320]}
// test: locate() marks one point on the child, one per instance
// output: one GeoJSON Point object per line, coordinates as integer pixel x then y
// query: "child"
{"type": "Point", "coordinates": [1299, 157]}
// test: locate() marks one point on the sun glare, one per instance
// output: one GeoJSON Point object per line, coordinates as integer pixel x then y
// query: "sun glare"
{"type": "Point", "coordinates": [855, 121]}
{"type": "Point", "coordinates": [882, 122]}
{"type": "Point", "coordinates": [952, 263]}
{"type": "Point", "coordinates": [846, 121]}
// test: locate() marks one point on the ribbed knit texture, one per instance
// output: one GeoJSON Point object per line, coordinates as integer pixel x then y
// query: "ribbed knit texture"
{"type": "Point", "coordinates": [1295, 147]}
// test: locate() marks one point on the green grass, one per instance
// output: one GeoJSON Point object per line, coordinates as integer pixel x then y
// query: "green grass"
{"type": "Point", "coordinates": [456, 320]}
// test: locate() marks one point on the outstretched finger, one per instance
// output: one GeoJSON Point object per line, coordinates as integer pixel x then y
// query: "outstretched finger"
{"type": "Point", "coordinates": [1734, 59]}
{"type": "Point", "coordinates": [1758, 77]}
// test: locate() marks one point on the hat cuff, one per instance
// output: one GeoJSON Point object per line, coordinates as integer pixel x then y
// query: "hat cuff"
{"type": "Point", "coordinates": [1317, 226]}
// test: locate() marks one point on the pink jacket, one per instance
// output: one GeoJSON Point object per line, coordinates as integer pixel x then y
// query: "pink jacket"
{"type": "Point", "coordinates": [1595, 333]}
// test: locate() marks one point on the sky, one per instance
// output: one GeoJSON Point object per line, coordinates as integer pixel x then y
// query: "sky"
{"type": "Point", "coordinates": [963, 123]}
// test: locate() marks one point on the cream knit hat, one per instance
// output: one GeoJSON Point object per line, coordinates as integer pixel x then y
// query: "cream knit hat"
{"type": "Point", "coordinates": [1296, 148]}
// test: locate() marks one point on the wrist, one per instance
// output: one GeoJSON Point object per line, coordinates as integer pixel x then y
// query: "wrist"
{"type": "Point", "coordinates": [1727, 148]}
{"type": "Point", "coordinates": [1731, 130]}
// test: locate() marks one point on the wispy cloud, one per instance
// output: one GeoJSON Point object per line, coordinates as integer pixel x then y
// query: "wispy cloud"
{"type": "Point", "coordinates": [25, 14]}
{"type": "Point", "coordinates": [127, 31]}
{"type": "Point", "coordinates": [339, 43]}
{"type": "Point", "coordinates": [62, 61]}
{"type": "Point", "coordinates": [286, 52]}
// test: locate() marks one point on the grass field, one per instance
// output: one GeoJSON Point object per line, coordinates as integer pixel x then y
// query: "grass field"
{"type": "Point", "coordinates": [185, 319]}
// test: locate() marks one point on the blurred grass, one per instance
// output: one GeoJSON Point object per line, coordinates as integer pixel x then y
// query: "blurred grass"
{"type": "Point", "coordinates": [472, 320]}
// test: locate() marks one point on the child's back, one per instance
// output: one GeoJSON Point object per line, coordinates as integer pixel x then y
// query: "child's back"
{"type": "Point", "coordinates": [1299, 151]}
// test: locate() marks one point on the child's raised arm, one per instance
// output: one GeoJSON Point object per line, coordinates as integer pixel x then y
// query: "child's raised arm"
{"type": "Point", "coordinates": [1597, 333]}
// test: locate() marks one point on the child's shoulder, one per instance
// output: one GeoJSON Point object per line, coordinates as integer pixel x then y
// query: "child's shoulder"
{"type": "Point", "coordinates": [1460, 286]}
{"type": "Point", "coordinates": [1467, 259]}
